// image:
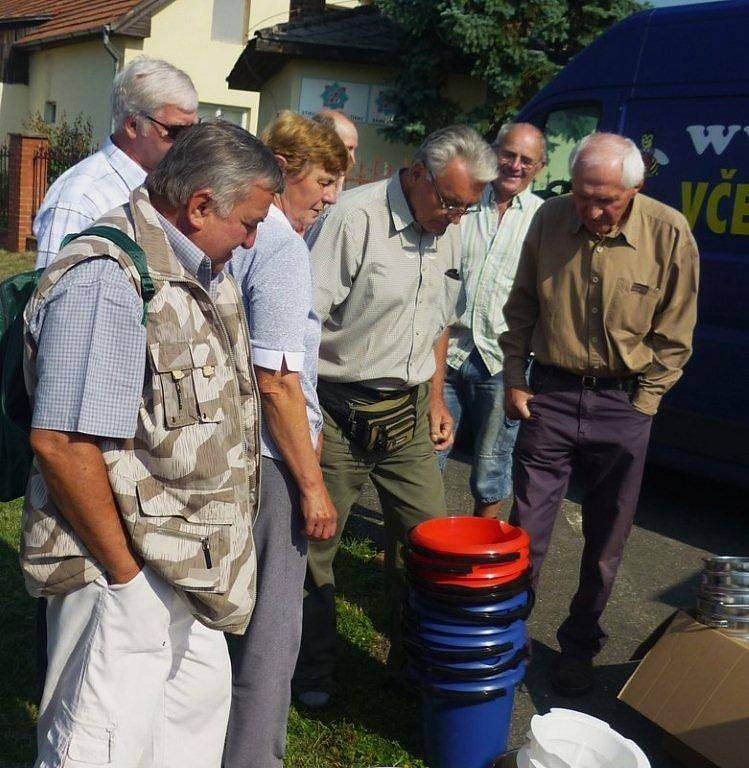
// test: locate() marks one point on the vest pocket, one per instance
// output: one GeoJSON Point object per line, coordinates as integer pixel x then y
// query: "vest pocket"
{"type": "Point", "coordinates": [184, 534]}
{"type": "Point", "coordinates": [189, 382]}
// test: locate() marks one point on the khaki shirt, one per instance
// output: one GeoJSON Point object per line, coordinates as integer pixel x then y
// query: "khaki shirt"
{"type": "Point", "coordinates": [618, 305]}
{"type": "Point", "coordinates": [381, 288]}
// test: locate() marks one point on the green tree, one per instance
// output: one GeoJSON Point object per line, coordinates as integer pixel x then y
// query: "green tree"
{"type": "Point", "coordinates": [68, 142]}
{"type": "Point", "coordinates": [513, 46]}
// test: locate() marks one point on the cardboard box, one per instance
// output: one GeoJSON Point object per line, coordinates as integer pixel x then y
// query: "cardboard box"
{"type": "Point", "coordinates": [683, 754]}
{"type": "Point", "coordinates": [694, 683]}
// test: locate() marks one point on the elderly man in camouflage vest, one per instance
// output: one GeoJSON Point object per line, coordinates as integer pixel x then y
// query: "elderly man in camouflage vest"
{"type": "Point", "coordinates": [139, 508]}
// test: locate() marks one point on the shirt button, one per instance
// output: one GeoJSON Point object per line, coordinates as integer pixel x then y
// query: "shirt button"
{"type": "Point", "coordinates": [595, 278]}
{"type": "Point", "coordinates": [594, 339]}
{"type": "Point", "coordinates": [594, 310]}
{"type": "Point", "coordinates": [599, 248]}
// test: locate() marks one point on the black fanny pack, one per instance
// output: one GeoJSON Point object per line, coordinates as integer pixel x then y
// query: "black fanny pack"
{"type": "Point", "coordinates": [374, 421]}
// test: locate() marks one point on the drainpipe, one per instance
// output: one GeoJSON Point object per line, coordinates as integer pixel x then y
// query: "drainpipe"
{"type": "Point", "coordinates": [116, 57]}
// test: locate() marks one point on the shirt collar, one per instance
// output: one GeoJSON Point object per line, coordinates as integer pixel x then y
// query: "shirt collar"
{"type": "Point", "coordinates": [489, 198]}
{"type": "Point", "coordinates": [276, 214]}
{"type": "Point", "coordinates": [188, 254]}
{"type": "Point", "coordinates": [125, 167]}
{"type": "Point", "coordinates": [400, 212]}
{"type": "Point", "coordinates": [629, 230]}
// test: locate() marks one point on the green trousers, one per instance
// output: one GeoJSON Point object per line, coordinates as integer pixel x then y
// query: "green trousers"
{"type": "Point", "coordinates": [409, 485]}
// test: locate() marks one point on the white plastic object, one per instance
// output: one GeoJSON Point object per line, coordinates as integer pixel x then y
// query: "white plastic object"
{"type": "Point", "coordinates": [568, 739]}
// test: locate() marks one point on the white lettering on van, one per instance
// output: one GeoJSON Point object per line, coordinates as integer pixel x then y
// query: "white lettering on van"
{"type": "Point", "coordinates": [717, 136]}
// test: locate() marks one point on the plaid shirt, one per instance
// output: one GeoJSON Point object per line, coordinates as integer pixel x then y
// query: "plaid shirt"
{"type": "Point", "coordinates": [490, 254]}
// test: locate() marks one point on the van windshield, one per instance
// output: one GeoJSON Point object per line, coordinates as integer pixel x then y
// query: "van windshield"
{"type": "Point", "coordinates": [563, 128]}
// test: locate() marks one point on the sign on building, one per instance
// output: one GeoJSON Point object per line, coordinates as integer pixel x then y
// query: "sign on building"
{"type": "Point", "coordinates": [360, 102]}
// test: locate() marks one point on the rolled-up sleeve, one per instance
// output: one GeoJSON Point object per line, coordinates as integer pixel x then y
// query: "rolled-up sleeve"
{"type": "Point", "coordinates": [277, 289]}
{"type": "Point", "coordinates": [91, 352]}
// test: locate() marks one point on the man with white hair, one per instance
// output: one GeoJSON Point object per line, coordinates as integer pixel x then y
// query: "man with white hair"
{"type": "Point", "coordinates": [152, 103]}
{"type": "Point", "coordinates": [606, 299]}
{"type": "Point", "coordinates": [491, 239]}
{"type": "Point", "coordinates": [386, 263]}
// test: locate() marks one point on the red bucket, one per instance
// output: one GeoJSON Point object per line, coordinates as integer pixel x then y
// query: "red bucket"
{"type": "Point", "coordinates": [473, 539]}
{"type": "Point", "coordinates": [511, 565]}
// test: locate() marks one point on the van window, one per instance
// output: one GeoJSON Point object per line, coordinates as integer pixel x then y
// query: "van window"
{"type": "Point", "coordinates": [563, 129]}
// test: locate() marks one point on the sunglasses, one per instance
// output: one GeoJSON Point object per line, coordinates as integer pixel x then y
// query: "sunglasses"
{"type": "Point", "coordinates": [171, 132]}
{"type": "Point", "coordinates": [449, 208]}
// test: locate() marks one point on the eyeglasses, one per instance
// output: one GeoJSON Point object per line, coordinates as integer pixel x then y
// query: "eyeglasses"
{"type": "Point", "coordinates": [525, 162]}
{"type": "Point", "coordinates": [449, 208]}
{"type": "Point", "coordinates": [171, 132]}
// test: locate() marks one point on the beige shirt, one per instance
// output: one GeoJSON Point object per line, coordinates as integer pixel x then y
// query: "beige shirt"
{"type": "Point", "coordinates": [381, 288]}
{"type": "Point", "coordinates": [619, 305]}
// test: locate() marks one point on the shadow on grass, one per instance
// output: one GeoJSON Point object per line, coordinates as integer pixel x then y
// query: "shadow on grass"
{"type": "Point", "coordinates": [362, 583]}
{"type": "Point", "coordinates": [364, 697]}
{"type": "Point", "coordinates": [18, 648]}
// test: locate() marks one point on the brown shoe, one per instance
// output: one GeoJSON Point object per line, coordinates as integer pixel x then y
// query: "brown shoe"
{"type": "Point", "coordinates": [572, 676]}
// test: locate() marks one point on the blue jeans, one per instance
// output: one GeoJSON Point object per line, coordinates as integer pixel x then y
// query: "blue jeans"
{"type": "Point", "coordinates": [472, 393]}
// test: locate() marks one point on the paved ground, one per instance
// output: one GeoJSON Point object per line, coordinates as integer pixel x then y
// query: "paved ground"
{"type": "Point", "coordinates": [679, 520]}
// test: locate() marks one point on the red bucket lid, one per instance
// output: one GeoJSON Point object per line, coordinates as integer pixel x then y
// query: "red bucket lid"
{"type": "Point", "coordinates": [468, 536]}
{"type": "Point", "coordinates": [447, 579]}
{"type": "Point", "coordinates": [475, 571]}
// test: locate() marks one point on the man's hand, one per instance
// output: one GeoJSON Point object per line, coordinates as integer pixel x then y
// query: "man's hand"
{"type": "Point", "coordinates": [440, 424]}
{"type": "Point", "coordinates": [516, 402]}
{"type": "Point", "coordinates": [320, 516]}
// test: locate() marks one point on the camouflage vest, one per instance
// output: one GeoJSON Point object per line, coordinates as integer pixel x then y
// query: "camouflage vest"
{"type": "Point", "coordinates": [187, 484]}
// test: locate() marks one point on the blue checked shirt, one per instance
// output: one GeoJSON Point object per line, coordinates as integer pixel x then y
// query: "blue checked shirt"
{"type": "Point", "coordinates": [489, 260]}
{"type": "Point", "coordinates": [83, 194]}
{"type": "Point", "coordinates": [91, 344]}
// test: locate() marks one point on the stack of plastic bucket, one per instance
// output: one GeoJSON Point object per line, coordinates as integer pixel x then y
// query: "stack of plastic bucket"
{"type": "Point", "coordinates": [464, 634]}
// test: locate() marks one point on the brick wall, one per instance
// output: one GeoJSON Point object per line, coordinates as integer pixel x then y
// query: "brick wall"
{"type": "Point", "coordinates": [21, 192]}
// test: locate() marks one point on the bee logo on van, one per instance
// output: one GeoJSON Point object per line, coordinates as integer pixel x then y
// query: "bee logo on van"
{"type": "Point", "coordinates": [653, 157]}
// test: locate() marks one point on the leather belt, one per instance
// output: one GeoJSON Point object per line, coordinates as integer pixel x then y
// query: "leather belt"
{"type": "Point", "coordinates": [595, 383]}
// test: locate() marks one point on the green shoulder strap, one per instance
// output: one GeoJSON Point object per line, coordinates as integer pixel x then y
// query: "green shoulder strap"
{"type": "Point", "coordinates": [133, 250]}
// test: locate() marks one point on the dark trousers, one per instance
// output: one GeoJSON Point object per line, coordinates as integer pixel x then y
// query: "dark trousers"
{"type": "Point", "coordinates": [601, 435]}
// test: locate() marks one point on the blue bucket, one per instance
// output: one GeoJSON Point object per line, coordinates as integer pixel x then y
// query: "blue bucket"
{"type": "Point", "coordinates": [466, 724]}
{"type": "Point", "coordinates": [459, 636]}
{"type": "Point", "coordinates": [502, 612]}
{"type": "Point", "coordinates": [428, 646]}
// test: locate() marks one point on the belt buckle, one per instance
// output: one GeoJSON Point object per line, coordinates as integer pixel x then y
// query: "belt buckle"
{"type": "Point", "coordinates": [590, 382]}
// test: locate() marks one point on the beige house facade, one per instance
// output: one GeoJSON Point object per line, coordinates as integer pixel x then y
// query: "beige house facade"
{"type": "Point", "coordinates": [65, 67]}
{"type": "Point", "coordinates": [343, 60]}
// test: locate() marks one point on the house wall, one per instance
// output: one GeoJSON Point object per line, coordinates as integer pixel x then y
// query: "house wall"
{"type": "Point", "coordinates": [181, 34]}
{"type": "Point", "coordinates": [78, 78]}
{"type": "Point", "coordinates": [14, 106]}
{"type": "Point", "coordinates": [283, 91]}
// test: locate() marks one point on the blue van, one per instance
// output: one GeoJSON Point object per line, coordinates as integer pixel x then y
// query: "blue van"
{"type": "Point", "coordinates": [676, 81]}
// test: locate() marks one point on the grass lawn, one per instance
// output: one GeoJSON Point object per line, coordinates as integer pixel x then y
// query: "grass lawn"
{"type": "Point", "coordinates": [369, 725]}
{"type": "Point", "coordinates": [12, 263]}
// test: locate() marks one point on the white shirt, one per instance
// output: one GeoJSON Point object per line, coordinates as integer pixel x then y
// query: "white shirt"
{"type": "Point", "coordinates": [83, 194]}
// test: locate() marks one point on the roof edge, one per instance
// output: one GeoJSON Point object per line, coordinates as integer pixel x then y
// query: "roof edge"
{"type": "Point", "coordinates": [66, 37]}
{"type": "Point", "coordinates": [141, 13]}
